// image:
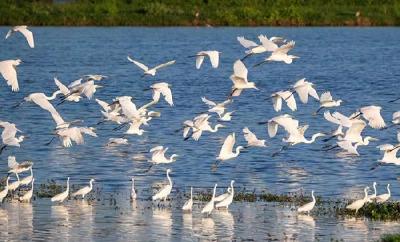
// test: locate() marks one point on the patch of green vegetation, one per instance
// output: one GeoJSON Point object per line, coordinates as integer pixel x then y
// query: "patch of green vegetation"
{"type": "Point", "coordinates": [390, 238]}
{"type": "Point", "coordinates": [200, 12]}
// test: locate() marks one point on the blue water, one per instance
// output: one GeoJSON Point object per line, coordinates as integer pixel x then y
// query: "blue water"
{"type": "Point", "coordinates": [358, 65]}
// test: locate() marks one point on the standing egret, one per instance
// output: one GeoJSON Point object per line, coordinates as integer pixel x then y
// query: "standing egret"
{"type": "Point", "coordinates": [28, 179]}
{"type": "Point", "coordinates": [306, 208]}
{"type": "Point", "coordinates": [384, 197]}
{"type": "Point", "coordinates": [252, 139]}
{"type": "Point", "coordinates": [226, 151]}
{"type": "Point", "coordinates": [164, 89]}
{"type": "Point", "coordinates": [8, 70]}
{"type": "Point", "coordinates": [373, 115]}
{"type": "Point", "coordinates": [326, 101]}
{"type": "Point", "coordinates": [8, 135]}
{"type": "Point", "coordinates": [117, 141]}
{"type": "Point", "coordinates": [210, 205]}
{"type": "Point", "coordinates": [28, 195]}
{"type": "Point", "coordinates": [158, 156]}
{"type": "Point", "coordinates": [356, 205]}
{"type": "Point", "coordinates": [226, 194]}
{"type": "Point", "coordinates": [23, 29]}
{"type": "Point", "coordinates": [150, 71]}
{"type": "Point", "coordinates": [4, 192]}
{"type": "Point", "coordinates": [227, 200]}
{"type": "Point", "coordinates": [133, 191]}
{"type": "Point", "coordinates": [390, 153]}
{"type": "Point", "coordinates": [16, 167]}
{"type": "Point", "coordinates": [165, 191]}
{"type": "Point", "coordinates": [61, 196]}
{"type": "Point", "coordinates": [189, 203]}
{"type": "Point", "coordinates": [14, 185]}
{"type": "Point", "coordinates": [212, 54]}
{"type": "Point", "coordinates": [281, 54]}
{"type": "Point", "coordinates": [373, 196]}
{"type": "Point", "coordinates": [239, 79]}
{"type": "Point", "coordinates": [214, 107]}
{"type": "Point", "coordinates": [287, 96]}
{"type": "Point", "coordinates": [84, 190]}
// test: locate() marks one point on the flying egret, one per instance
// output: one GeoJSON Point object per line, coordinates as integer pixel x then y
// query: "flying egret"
{"type": "Point", "coordinates": [162, 88]}
{"type": "Point", "coordinates": [226, 117]}
{"type": "Point", "coordinates": [117, 141]}
{"type": "Point", "coordinates": [4, 192]}
{"type": "Point", "coordinates": [254, 48]}
{"type": "Point", "coordinates": [326, 101]}
{"type": "Point", "coordinates": [23, 29]}
{"type": "Point", "coordinates": [158, 156]}
{"type": "Point", "coordinates": [384, 197]}
{"type": "Point", "coordinates": [281, 54]}
{"type": "Point", "coordinates": [226, 151]}
{"type": "Point", "coordinates": [189, 203]}
{"type": "Point", "coordinates": [165, 191]}
{"type": "Point", "coordinates": [28, 195]}
{"type": "Point", "coordinates": [239, 79]}
{"type": "Point", "coordinates": [94, 77]}
{"type": "Point", "coordinates": [351, 148]}
{"type": "Point", "coordinates": [395, 120]}
{"type": "Point", "coordinates": [8, 70]}
{"type": "Point", "coordinates": [61, 196]}
{"type": "Point", "coordinates": [339, 119]}
{"type": "Point", "coordinates": [356, 205]}
{"type": "Point", "coordinates": [16, 167]}
{"type": "Point", "coordinates": [373, 115]}
{"type": "Point", "coordinates": [28, 179]}
{"type": "Point", "coordinates": [150, 71]}
{"type": "Point", "coordinates": [133, 191]}
{"type": "Point", "coordinates": [88, 89]}
{"type": "Point", "coordinates": [228, 200]}
{"type": "Point", "coordinates": [112, 112]}
{"type": "Point", "coordinates": [297, 136]}
{"type": "Point", "coordinates": [286, 121]}
{"type": "Point", "coordinates": [353, 133]}
{"type": "Point", "coordinates": [372, 196]}
{"type": "Point", "coordinates": [212, 54]}
{"type": "Point", "coordinates": [8, 135]}
{"type": "Point", "coordinates": [304, 88]}
{"type": "Point", "coordinates": [252, 139]}
{"type": "Point", "coordinates": [390, 152]}
{"type": "Point", "coordinates": [72, 97]}
{"type": "Point", "coordinates": [84, 190]}
{"type": "Point", "coordinates": [214, 107]}
{"type": "Point", "coordinates": [14, 185]}
{"type": "Point", "coordinates": [306, 208]}
{"type": "Point", "coordinates": [198, 125]}
{"type": "Point", "coordinates": [70, 134]}
{"type": "Point", "coordinates": [210, 205]}
{"type": "Point", "coordinates": [287, 96]}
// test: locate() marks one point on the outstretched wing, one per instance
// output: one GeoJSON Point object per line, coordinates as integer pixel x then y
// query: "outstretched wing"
{"type": "Point", "coordinates": [326, 97]}
{"type": "Point", "coordinates": [140, 65]}
{"type": "Point", "coordinates": [214, 58]}
{"type": "Point", "coordinates": [12, 162]}
{"type": "Point", "coordinates": [104, 105]}
{"type": "Point", "coordinates": [27, 34]}
{"type": "Point", "coordinates": [61, 86]}
{"type": "Point", "coordinates": [284, 49]}
{"type": "Point", "coordinates": [240, 70]}
{"type": "Point", "coordinates": [249, 136]}
{"type": "Point", "coordinates": [228, 144]}
{"type": "Point", "coordinates": [165, 64]}
{"type": "Point", "coordinates": [267, 44]}
{"type": "Point", "coordinates": [208, 102]}
{"type": "Point", "coordinates": [246, 43]}
{"type": "Point", "coordinates": [9, 73]}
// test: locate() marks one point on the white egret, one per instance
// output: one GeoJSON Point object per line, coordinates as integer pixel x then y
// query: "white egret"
{"type": "Point", "coordinates": [226, 117]}
{"type": "Point", "coordinates": [372, 196]}
{"type": "Point", "coordinates": [23, 29]}
{"type": "Point", "coordinates": [198, 125]}
{"type": "Point", "coordinates": [84, 190]}
{"type": "Point", "coordinates": [297, 137]}
{"type": "Point", "coordinates": [281, 54]}
{"type": "Point", "coordinates": [390, 153]}
{"type": "Point", "coordinates": [164, 89]}
{"type": "Point", "coordinates": [72, 97]}
{"type": "Point", "coordinates": [326, 101]}
{"type": "Point", "coordinates": [212, 54]}
{"type": "Point", "coordinates": [189, 203]}
{"type": "Point", "coordinates": [165, 191]}
{"type": "Point", "coordinates": [239, 79]}
{"type": "Point", "coordinates": [133, 191]}
{"type": "Point", "coordinates": [353, 133]}
{"type": "Point", "coordinates": [266, 45]}
{"type": "Point", "coordinates": [384, 197]}
{"type": "Point", "coordinates": [158, 156]}
{"type": "Point", "coordinates": [396, 117]}
{"type": "Point", "coordinates": [4, 192]}
{"type": "Point", "coordinates": [214, 107]}
{"type": "Point", "coordinates": [228, 199]}
{"type": "Point", "coordinates": [373, 115]}
{"type": "Point", "coordinates": [210, 205]}
{"type": "Point", "coordinates": [134, 126]}
{"type": "Point", "coordinates": [150, 71]}
{"type": "Point", "coordinates": [28, 195]}
{"type": "Point", "coordinates": [16, 167]}
{"type": "Point", "coordinates": [67, 135]}
{"type": "Point", "coordinates": [351, 148]}
{"type": "Point", "coordinates": [88, 89]}
{"type": "Point", "coordinates": [8, 70]}
{"type": "Point", "coordinates": [14, 185]}
{"type": "Point", "coordinates": [28, 179]}
{"type": "Point", "coordinates": [356, 205]}
{"type": "Point", "coordinates": [112, 112]}
{"type": "Point", "coordinates": [306, 208]}
{"type": "Point", "coordinates": [61, 196]}
{"type": "Point", "coordinates": [94, 77]}
{"type": "Point", "coordinates": [287, 96]}
{"type": "Point", "coordinates": [252, 139]}
{"type": "Point", "coordinates": [224, 195]}
{"type": "Point", "coordinates": [304, 88]}
{"type": "Point", "coordinates": [339, 119]}
{"type": "Point", "coordinates": [117, 141]}
{"type": "Point", "coordinates": [226, 151]}
{"type": "Point", "coordinates": [286, 121]}
{"type": "Point", "coordinates": [8, 135]}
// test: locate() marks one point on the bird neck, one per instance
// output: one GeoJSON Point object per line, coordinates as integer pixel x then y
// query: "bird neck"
{"type": "Point", "coordinates": [7, 183]}
{"type": "Point", "coordinates": [237, 151]}
{"type": "Point", "coordinates": [17, 176]}
{"type": "Point", "coordinates": [374, 189]}
{"type": "Point", "coordinates": [312, 195]}
{"type": "Point", "coordinates": [53, 96]}
{"type": "Point", "coordinates": [91, 184]}
{"type": "Point", "coordinates": [213, 196]}
{"type": "Point", "coordinates": [169, 179]}
{"type": "Point", "coordinates": [191, 193]}
{"type": "Point", "coordinates": [67, 185]}
{"type": "Point", "coordinates": [365, 194]}
{"type": "Point", "coordinates": [388, 189]}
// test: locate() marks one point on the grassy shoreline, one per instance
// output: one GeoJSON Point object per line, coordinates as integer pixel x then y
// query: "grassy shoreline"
{"type": "Point", "coordinates": [201, 13]}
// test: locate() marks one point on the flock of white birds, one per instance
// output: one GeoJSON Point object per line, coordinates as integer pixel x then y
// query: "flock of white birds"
{"type": "Point", "coordinates": [123, 111]}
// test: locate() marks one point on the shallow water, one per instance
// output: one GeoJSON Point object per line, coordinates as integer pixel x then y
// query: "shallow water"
{"type": "Point", "coordinates": [358, 65]}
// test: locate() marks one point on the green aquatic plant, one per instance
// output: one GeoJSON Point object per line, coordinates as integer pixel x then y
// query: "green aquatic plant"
{"type": "Point", "coordinates": [390, 238]}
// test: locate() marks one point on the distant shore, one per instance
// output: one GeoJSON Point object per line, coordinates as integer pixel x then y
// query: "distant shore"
{"type": "Point", "coordinates": [201, 13]}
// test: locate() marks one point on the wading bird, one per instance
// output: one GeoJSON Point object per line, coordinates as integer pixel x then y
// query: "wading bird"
{"type": "Point", "coordinates": [226, 151]}
{"type": "Point", "coordinates": [28, 195]}
{"type": "Point", "coordinates": [372, 196]}
{"type": "Point", "coordinates": [14, 185]}
{"type": "Point", "coordinates": [133, 191]}
{"type": "Point", "coordinates": [306, 208]}
{"type": "Point", "coordinates": [8, 70]}
{"type": "Point", "coordinates": [71, 97]}
{"type": "Point", "coordinates": [165, 191]}
{"type": "Point", "coordinates": [187, 207]}
{"type": "Point", "coordinates": [224, 203]}
{"type": "Point", "coordinates": [212, 54]}
{"type": "Point", "coordinates": [84, 190]}
{"type": "Point", "coordinates": [210, 205]}
{"type": "Point", "coordinates": [252, 139]}
{"type": "Point", "coordinates": [117, 141]}
{"type": "Point", "coordinates": [8, 135]}
{"type": "Point", "coordinates": [226, 117]}
{"type": "Point", "coordinates": [384, 197]}
{"type": "Point", "coordinates": [239, 79]}
{"type": "Point", "coordinates": [254, 48]}
{"type": "Point", "coordinates": [61, 196]}
{"type": "Point", "coordinates": [356, 205]}
{"type": "Point", "coordinates": [150, 71]}
{"type": "Point", "coordinates": [23, 29]}
{"type": "Point", "coordinates": [16, 167]}
{"type": "Point", "coordinates": [4, 192]}
{"type": "Point", "coordinates": [304, 88]}
{"type": "Point", "coordinates": [26, 180]}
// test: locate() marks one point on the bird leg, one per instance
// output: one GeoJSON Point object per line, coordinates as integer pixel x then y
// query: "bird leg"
{"type": "Point", "coordinates": [327, 139]}
{"type": "Point", "coordinates": [246, 56]}
{"type": "Point", "coordinates": [260, 63]}
{"type": "Point", "coordinates": [2, 148]}
{"type": "Point", "coordinates": [285, 147]}
{"type": "Point", "coordinates": [332, 147]}
{"type": "Point", "coordinates": [263, 122]}
{"type": "Point", "coordinates": [376, 166]}
{"type": "Point", "coordinates": [319, 109]}
{"type": "Point", "coordinates": [148, 169]}
{"type": "Point", "coordinates": [101, 122]}
{"type": "Point", "coordinates": [392, 101]}
{"type": "Point", "coordinates": [392, 125]}
{"type": "Point", "coordinates": [48, 143]}
{"type": "Point", "coordinates": [120, 126]}
{"type": "Point", "coordinates": [18, 104]}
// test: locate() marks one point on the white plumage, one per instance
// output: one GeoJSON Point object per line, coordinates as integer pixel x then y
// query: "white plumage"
{"type": "Point", "coordinates": [8, 70]}
{"type": "Point", "coordinates": [84, 190]}
{"type": "Point", "coordinates": [23, 29]}
{"type": "Point", "coordinates": [165, 191]}
{"type": "Point", "coordinates": [226, 151]}
{"type": "Point", "coordinates": [61, 196]}
{"type": "Point", "coordinates": [306, 208]}
{"type": "Point", "coordinates": [147, 70]}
